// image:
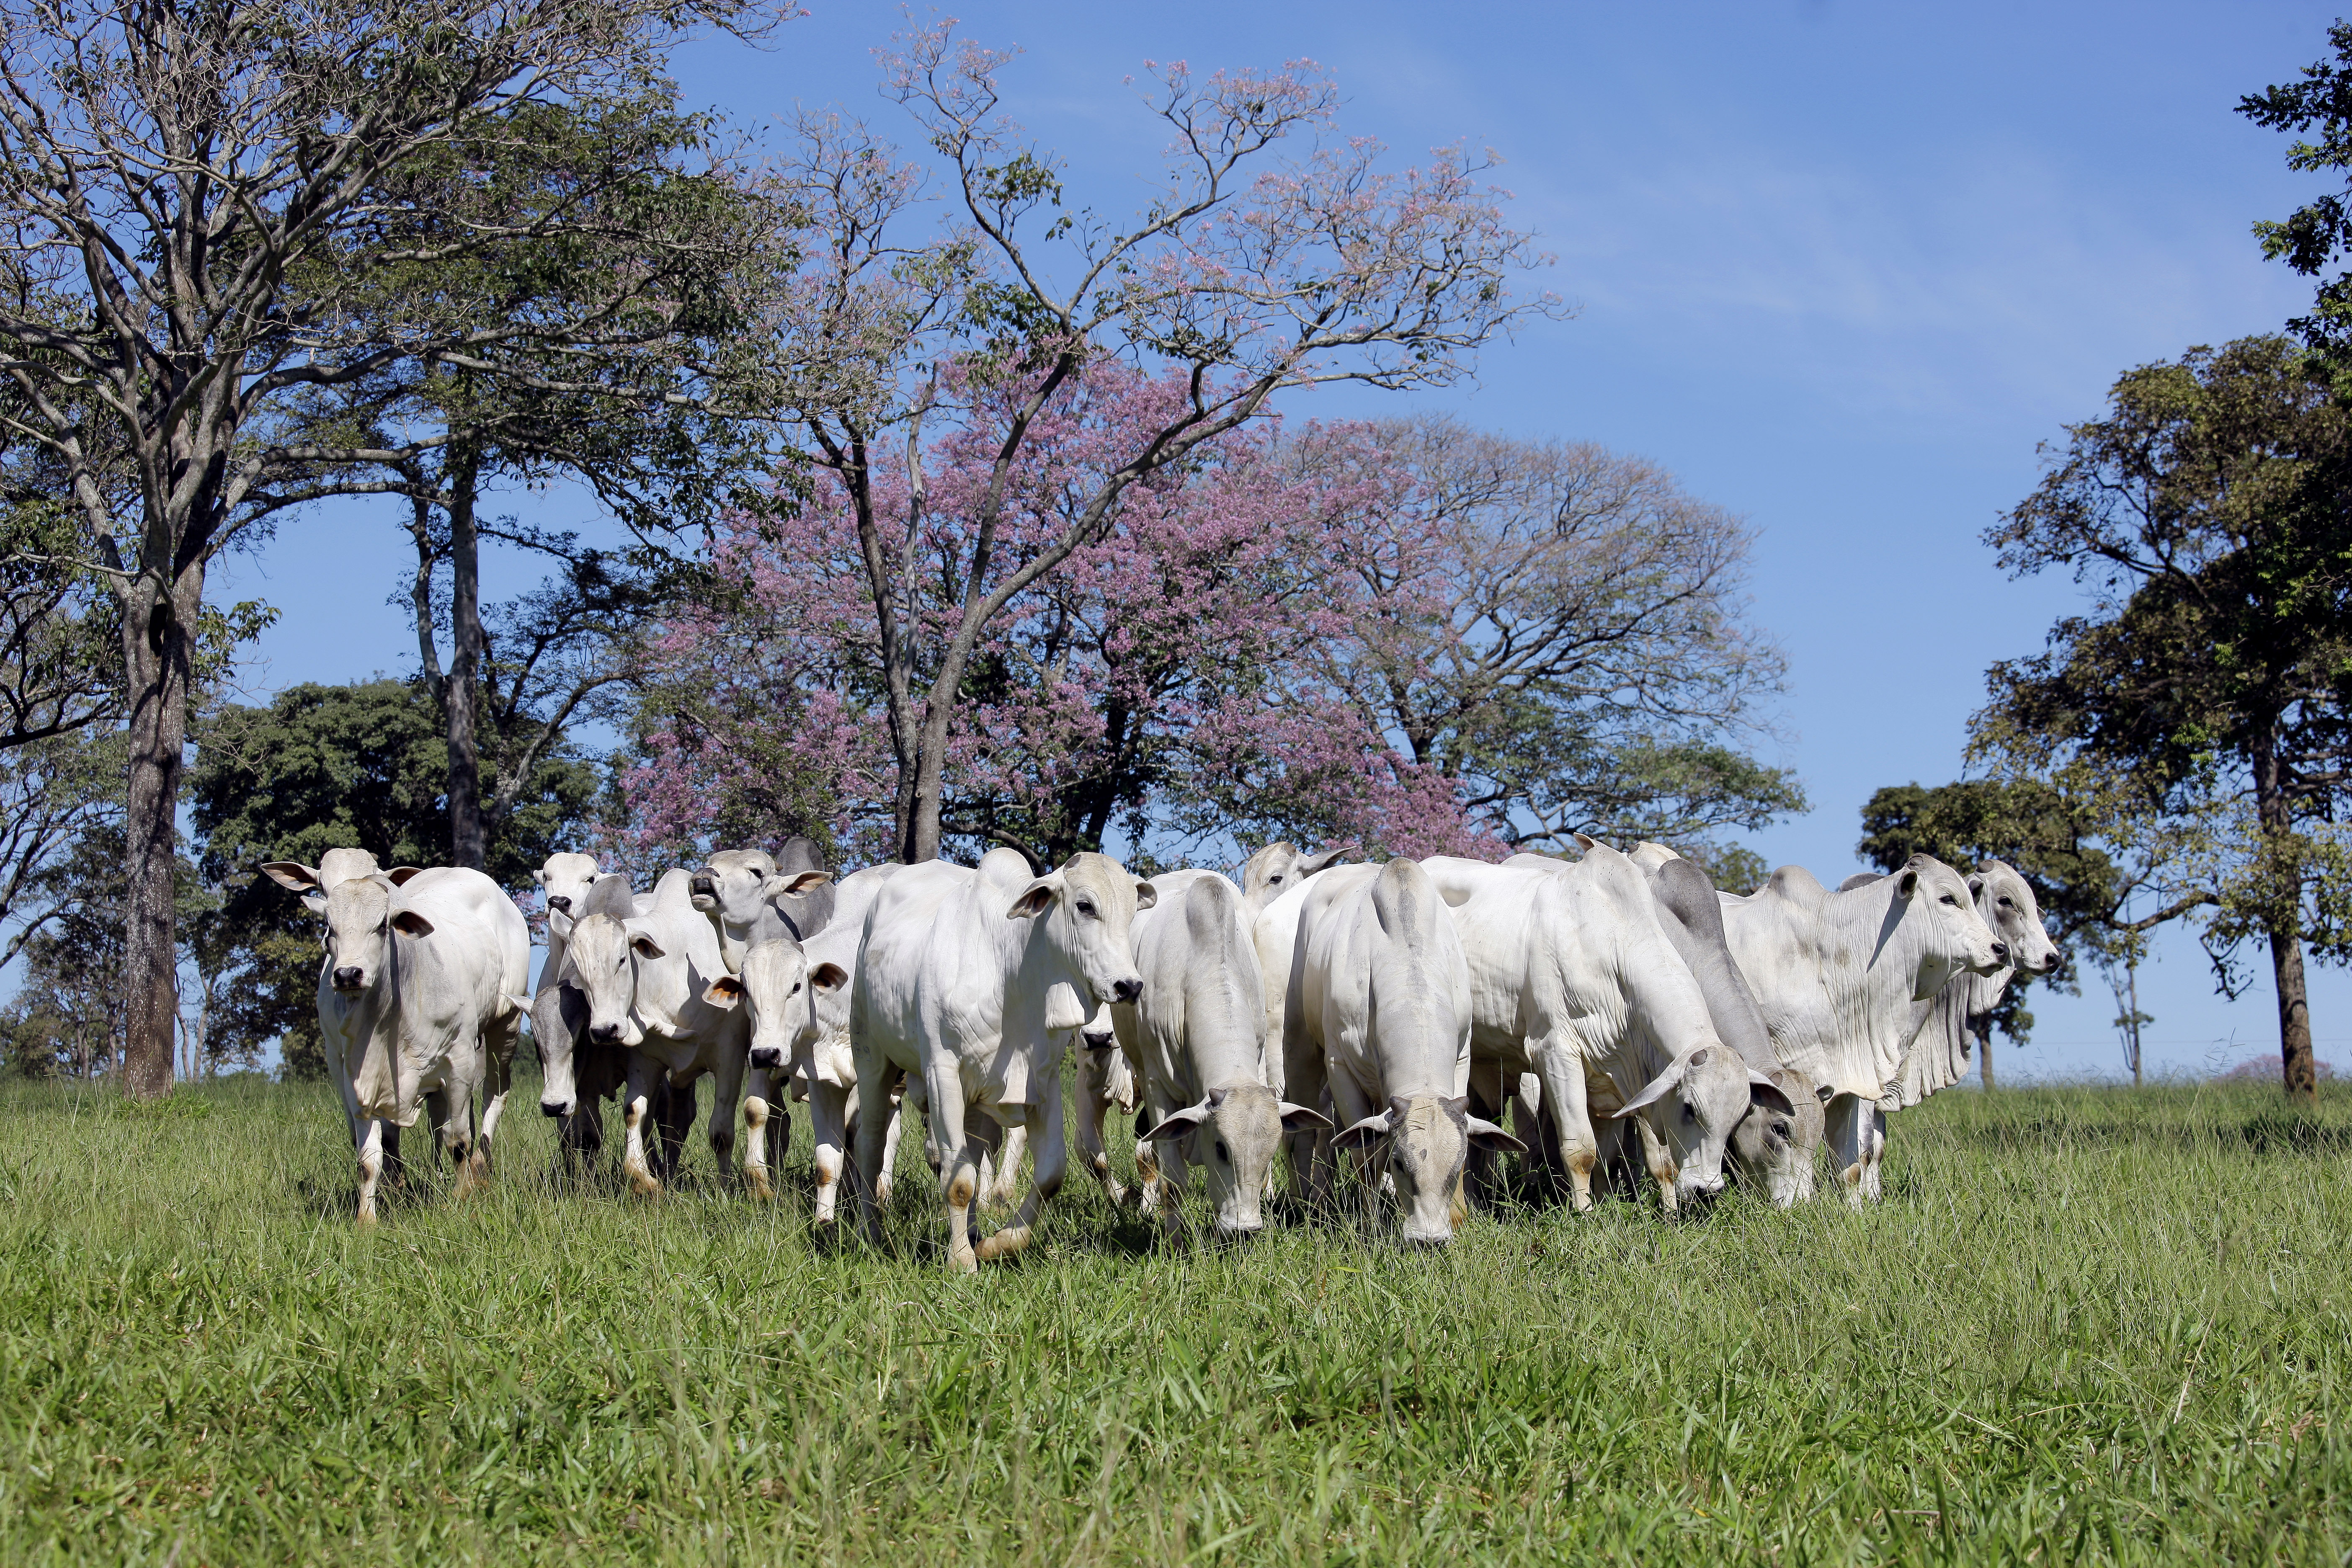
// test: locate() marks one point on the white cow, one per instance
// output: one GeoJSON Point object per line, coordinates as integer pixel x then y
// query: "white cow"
{"type": "Point", "coordinates": [422, 980]}
{"type": "Point", "coordinates": [1383, 990]}
{"type": "Point", "coordinates": [1107, 1081]}
{"type": "Point", "coordinates": [808, 1046]}
{"type": "Point", "coordinates": [1196, 1040]}
{"type": "Point", "coordinates": [1940, 1057]}
{"type": "Point", "coordinates": [1279, 867]}
{"type": "Point", "coordinates": [748, 896]}
{"type": "Point", "coordinates": [1847, 980]}
{"type": "Point", "coordinates": [312, 882]}
{"type": "Point", "coordinates": [1572, 979]}
{"type": "Point", "coordinates": [645, 981]}
{"type": "Point", "coordinates": [954, 982]}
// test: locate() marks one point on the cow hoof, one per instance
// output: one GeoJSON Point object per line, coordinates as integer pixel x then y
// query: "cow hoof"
{"type": "Point", "coordinates": [365, 1219]}
{"type": "Point", "coordinates": [962, 1263]}
{"type": "Point", "coordinates": [758, 1181]}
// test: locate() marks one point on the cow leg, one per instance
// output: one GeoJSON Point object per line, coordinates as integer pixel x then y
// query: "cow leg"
{"type": "Point", "coordinates": [1000, 1191]}
{"type": "Point", "coordinates": [1052, 1162]}
{"type": "Point", "coordinates": [1479, 1179]}
{"type": "Point", "coordinates": [828, 1113]}
{"type": "Point", "coordinates": [673, 1110]}
{"type": "Point", "coordinates": [1660, 1161]}
{"type": "Point", "coordinates": [873, 1079]}
{"type": "Point", "coordinates": [1092, 1107]}
{"type": "Point", "coordinates": [960, 1156]}
{"type": "Point", "coordinates": [580, 1137]}
{"type": "Point", "coordinates": [456, 1131]}
{"type": "Point", "coordinates": [1168, 1188]}
{"type": "Point", "coordinates": [636, 1110]}
{"type": "Point", "coordinates": [756, 1116]}
{"type": "Point", "coordinates": [726, 1090]}
{"type": "Point", "coordinates": [1571, 1113]}
{"type": "Point", "coordinates": [499, 1038]}
{"type": "Point", "coordinates": [1874, 1152]}
{"type": "Point", "coordinates": [1349, 1106]}
{"type": "Point", "coordinates": [396, 1169]}
{"type": "Point", "coordinates": [371, 1156]}
{"type": "Point", "coordinates": [1845, 1130]}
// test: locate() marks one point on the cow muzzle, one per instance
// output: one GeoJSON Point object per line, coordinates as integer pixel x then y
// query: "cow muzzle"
{"type": "Point", "coordinates": [1126, 990]}
{"type": "Point", "coordinates": [767, 1059]}
{"type": "Point", "coordinates": [604, 1034]}
{"type": "Point", "coordinates": [555, 1108]}
{"type": "Point", "coordinates": [350, 977]}
{"type": "Point", "coordinates": [700, 889]}
{"type": "Point", "coordinates": [2000, 953]}
{"type": "Point", "coordinates": [558, 903]}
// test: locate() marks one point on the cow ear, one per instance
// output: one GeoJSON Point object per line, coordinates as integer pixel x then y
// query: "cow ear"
{"type": "Point", "coordinates": [1370, 1131]}
{"type": "Point", "coordinates": [1487, 1135]}
{"type": "Point", "coordinates": [399, 874]}
{"type": "Point", "coordinates": [643, 945]}
{"type": "Point", "coordinates": [1035, 899]}
{"type": "Point", "coordinates": [1179, 1122]}
{"type": "Point", "coordinates": [1333, 857]}
{"type": "Point", "coordinates": [1300, 1117]}
{"type": "Point", "coordinates": [1762, 1090]}
{"type": "Point", "coordinates": [1585, 841]}
{"type": "Point", "coordinates": [1146, 896]}
{"type": "Point", "coordinates": [291, 875]}
{"type": "Point", "coordinates": [1976, 884]}
{"type": "Point", "coordinates": [1907, 883]}
{"type": "Point", "coordinates": [792, 884]}
{"type": "Point", "coordinates": [540, 876]}
{"type": "Point", "coordinates": [723, 992]}
{"type": "Point", "coordinates": [1657, 1088]}
{"type": "Point", "coordinates": [408, 922]}
{"type": "Point", "coordinates": [828, 976]}
{"type": "Point", "coordinates": [316, 901]}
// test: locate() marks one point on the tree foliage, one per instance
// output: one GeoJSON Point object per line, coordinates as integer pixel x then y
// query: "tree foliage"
{"type": "Point", "coordinates": [363, 765]}
{"type": "Point", "coordinates": [2198, 712]}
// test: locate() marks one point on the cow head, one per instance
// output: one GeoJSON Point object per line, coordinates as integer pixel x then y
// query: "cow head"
{"type": "Point", "coordinates": [363, 917]}
{"type": "Point", "coordinates": [1085, 912]}
{"type": "Point", "coordinates": [1772, 1149]}
{"type": "Point", "coordinates": [603, 959]}
{"type": "Point", "coordinates": [565, 880]}
{"type": "Point", "coordinates": [1279, 867]}
{"type": "Point", "coordinates": [335, 865]}
{"type": "Point", "coordinates": [1424, 1143]}
{"type": "Point", "coordinates": [1230, 1138]}
{"type": "Point", "coordinates": [2005, 901]}
{"type": "Point", "coordinates": [1690, 1111]}
{"type": "Point", "coordinates": [1952, 936]}
{"type": "Point", "coordinates": [778, 989]}
{"type": "Point", "coordinates": [735, 886]}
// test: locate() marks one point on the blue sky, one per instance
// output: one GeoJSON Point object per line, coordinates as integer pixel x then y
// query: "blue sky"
{"type": "Point", "coordinates": [1840, 267]}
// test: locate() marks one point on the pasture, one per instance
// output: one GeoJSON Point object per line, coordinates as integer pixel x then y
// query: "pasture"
{"type": "Point", "coordinates": [2085, 1325]}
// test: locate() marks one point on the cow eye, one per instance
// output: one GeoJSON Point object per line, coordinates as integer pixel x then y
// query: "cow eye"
{"type": "Point", "coordinates": [1221, 1155]}
{"type": "Point", "coordinates": [2007, 905]}
{"type": "Point", "coordinates": [1085, 908]}
{"type": "Point", "coordinates": [1781, 1130]}
{"type": "Point", "coordinates": [1952, 901]}
{"type": "Point", "coordinates": [1689, 1114]}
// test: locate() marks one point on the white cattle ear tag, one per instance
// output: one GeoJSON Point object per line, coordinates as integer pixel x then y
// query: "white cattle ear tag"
{"type": "Point", "coordinates": [1062, 1010]}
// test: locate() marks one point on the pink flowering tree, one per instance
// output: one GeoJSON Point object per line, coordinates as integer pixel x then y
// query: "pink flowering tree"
{"type": "Point", "coordinates": [1165, 689]}
{"type": "Point", "coordinates": [953, 373]}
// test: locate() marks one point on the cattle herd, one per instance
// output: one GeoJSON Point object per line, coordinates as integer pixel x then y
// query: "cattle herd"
{"type": "Point", "coordinates": [1622, 1017]}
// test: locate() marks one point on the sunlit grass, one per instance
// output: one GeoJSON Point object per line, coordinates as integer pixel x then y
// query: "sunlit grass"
{"type": "Point", "coordinates": [2086, 1324]}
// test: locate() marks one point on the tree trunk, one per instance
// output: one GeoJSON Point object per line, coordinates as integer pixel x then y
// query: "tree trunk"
{"type": "Point", "coordinates": [2285, 928]}
{"type": "Point", "coordinates": [158, 637]}
{"type": "Point", "coordinates": [469, 842]}
{"type": "Point", "coordinates": [1984, 1055]}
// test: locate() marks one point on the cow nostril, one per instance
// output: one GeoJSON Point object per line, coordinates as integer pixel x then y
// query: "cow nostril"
{"type": "Point", "coordinates": [560, 905]}
{"type": "Point", "coordinates": [347, 978]}
{"type": "Point", "coordinates": [1127, 990]}
{"type": "Point", "coordinates": [604, 1033]}
{"type": "Point", "coordinates": [765, 1060]}
{"type": "Point", "coordinates": [555, 1107]}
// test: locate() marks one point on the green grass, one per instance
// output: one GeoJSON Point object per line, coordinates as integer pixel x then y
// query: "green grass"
{"type": "Point", "coordinates": [2087, 1324]}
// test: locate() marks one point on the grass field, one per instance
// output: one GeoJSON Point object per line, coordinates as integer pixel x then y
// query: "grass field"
{"type": "Point", "coordinates": [2087, 1324]}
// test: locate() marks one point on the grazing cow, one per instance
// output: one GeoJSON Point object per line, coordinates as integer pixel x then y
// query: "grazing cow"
{"type": "Point", "coordinates": [1774, 1150]}
{"type": "Point", "coordinates": [1572, 979]}
{"type": "Point", "coordinates": [1196, 1039]}
{"type": "Point", "coordinates": [1279, 867]}
{"type": "Point", "coordinates": [646, 980]}
{"type": "Point", "coordinates": [422, 980]}
{"type": "Point", "coordinates": [1383, 990]}
{"type": "Point", "coordinates": [1940, 1057]}
{"type": "Point", "coordinates": [1846, 981]}
{"type": "Point", "coordinates": [954, 982]}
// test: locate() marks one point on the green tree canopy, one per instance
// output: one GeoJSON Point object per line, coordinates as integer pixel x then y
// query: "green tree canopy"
{"type": "Point", "coordinates": [2199, 710]}
{"type": "Point", "coordinates": [363, 765]}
